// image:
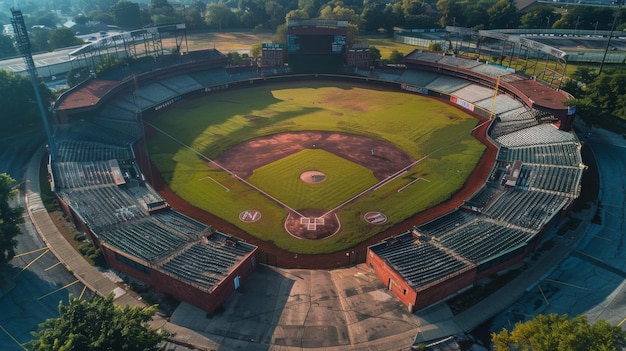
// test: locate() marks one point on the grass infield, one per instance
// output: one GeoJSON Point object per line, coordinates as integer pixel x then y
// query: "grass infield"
{"type": "Point", "coordinates": [420, 126]}
{"type": "Point", "coordinates": [344, 179]}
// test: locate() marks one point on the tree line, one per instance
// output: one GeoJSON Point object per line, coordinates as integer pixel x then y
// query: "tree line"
{"type": "Point", "coordinates": [369, 16]}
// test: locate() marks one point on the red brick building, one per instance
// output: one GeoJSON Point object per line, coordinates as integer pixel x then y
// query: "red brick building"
{"type": "Point", "coordinates": [273, 55]}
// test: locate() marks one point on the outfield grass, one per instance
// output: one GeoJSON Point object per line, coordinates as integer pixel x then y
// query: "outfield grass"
{"type": "Point", "coordinates": [422, 127]}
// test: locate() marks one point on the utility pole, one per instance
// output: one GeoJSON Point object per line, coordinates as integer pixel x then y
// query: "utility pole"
{"type": "Point", "coordinates": [608, 42]}
{"type": "Point", "coordinates": [23, 44]}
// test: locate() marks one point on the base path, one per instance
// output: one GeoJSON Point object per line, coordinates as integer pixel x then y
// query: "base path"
{"type": "Point", "coordinates": [272, 255]}
{"type": "Point", "coordinates": [382, 158]}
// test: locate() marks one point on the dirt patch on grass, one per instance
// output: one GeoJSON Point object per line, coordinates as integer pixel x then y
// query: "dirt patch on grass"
{"type": "Point", "coordinates": [223, 42]}
{"type": "Point", "coordinates": [382, 158]}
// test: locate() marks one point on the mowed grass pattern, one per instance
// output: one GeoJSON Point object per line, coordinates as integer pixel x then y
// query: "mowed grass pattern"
{"type": "Point", "coordinates": [210, 125]}
{"type": "Point", "coordinates": [344, 179]}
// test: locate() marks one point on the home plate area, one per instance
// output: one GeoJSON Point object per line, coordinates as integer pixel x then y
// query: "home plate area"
{"type": "Point", "coordinates": [311, 223]}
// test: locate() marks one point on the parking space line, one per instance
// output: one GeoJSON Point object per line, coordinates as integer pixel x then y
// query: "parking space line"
{"type": "Point", "coordinates": [30, 252]}
{"type": "Point", "coordinates": [588, 255]}
{"type": "Point", "coordinates": [566, 284]}
{"type": "Point", "coordinates": [31, 262]}
{"type": "Point", "coordinates": [12, 338]}
{"type": "Point", "coordinates": [544, 295]}
{"type": "Point", "coordinates": [82, 292]}
{"type": "Point", "coordinates": [54, 265]}
{"type": "Point", "coordinates": [603, 238]}
{"type": "Point", "coordinates": [59, 289]}
{"type": "Point", "coordinates": [622, 322]}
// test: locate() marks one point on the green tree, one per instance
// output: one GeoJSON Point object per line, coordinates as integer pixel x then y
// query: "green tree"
{"type": "Point", "coordinates": [585, 75]}
{"type": "Point", "coordinates": [9, 219]}
{"type": "Point", "coordinates": [373, 16]}
{"type": "Point", "coordinates": [219, 16]}
{"type": "Point", "coordinates": [559, 333]}
{"type": "Point", "coordinates": [63, 37]}
{"type": "Point", "coordinates": [256, 50]}
{"type": "Point", "coordinates": [451, 12]}
{"type": "Point", "coordinates": [162, 12]}
{"type": "Point", "coordinates": [280, 36]}
{"type": "Point", "coordinates": [396, 57]}
{"type": "Point", "coordinates": [503, 14]}
{"type": "Point", "coordinates": [252, 13]}
{"type": "Point", "coordinates": [193, 18]}
{"type": "Point", "coordinates": [98, 325]}
{"type": "Point", "coordinates": [298, 14]}
{"type": "Point", "coordinates": [44, 18]}
{"type": "Point", "coordinates": [126, 14]}
{"type": "Point", "coordinates": [81, 19]}
{"type": "Point", "coordinates": [375, 54]}
{"type": "Point", "coordinates": [17, 98]}
{"type": "Point", "coordinates": [605, 97]}
{"type": "Point", "coordinates": [7, 48]}
{"type": "Point", "coordinates": [39, 39]}
{"type": "Point", "coordinates": [339, 13]}
{"type": "Point", "coordinates": [276, 13]}
{"type": "Point", "coordinates": [538, 16]}
{"type": "Point", "coordinates": [101, 16]}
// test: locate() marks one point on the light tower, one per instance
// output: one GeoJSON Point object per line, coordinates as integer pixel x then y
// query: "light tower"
{"type": "Point", "coordinates": [23, 45]}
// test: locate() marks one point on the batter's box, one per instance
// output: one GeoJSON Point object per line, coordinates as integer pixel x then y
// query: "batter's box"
{"type": "Point", "coordinates": [311, 223]}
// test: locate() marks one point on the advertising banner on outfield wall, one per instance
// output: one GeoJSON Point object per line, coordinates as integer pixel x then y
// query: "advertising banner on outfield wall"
{"type": "Point", "coordinates": [467, 105]}
{"type": "Point", "coordinates": [414, 89]}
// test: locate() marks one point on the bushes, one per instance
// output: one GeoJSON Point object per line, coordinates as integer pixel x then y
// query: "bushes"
{"type": "Point", "coordinates": [92, 253]}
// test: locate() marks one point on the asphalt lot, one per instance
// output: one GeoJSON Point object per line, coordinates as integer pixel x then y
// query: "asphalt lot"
{"type": "Point", "coordinates": [37, 282]}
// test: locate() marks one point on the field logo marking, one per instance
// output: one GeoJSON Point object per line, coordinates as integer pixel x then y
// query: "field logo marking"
{"type": "Point", "coordinates": [375, 218]}
{"type": "Point", "coordinates": [250, 216]}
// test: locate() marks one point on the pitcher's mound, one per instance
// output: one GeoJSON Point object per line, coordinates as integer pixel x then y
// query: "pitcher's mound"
{"type": "Point", "coordinates": [312, 177]}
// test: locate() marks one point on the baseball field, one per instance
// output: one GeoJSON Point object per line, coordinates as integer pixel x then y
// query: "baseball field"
{"type": "Point", "coordinates": [252, 151]}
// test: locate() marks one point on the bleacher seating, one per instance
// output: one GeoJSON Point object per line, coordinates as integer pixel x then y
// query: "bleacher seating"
{"type": "Point", "coordinates": [118, 112]}
{"type": "Point", "coordinates": [419, 263]}
{"type": "Point", "coordinates": [417, 78]}
{"type": "Point", "coordinates": [504, 104]}
{"type": "Point", "coordinates": [456, 61]}
{"type": "Point", "coordinates": [540, 134]}
{"type": "Point", "coordinates": [447, 84]}
{"type": "Point", "coordinates": [181, 84]}
{"type": "Point", "coordinates": [481, 198]}
{"type": "Point", "coordinates": [204, 264]}
{"type": "Point", "coordinates": [528, 209]}
{"type": "Point", "coordinates": [492, 71]}
{"type": "Point", "coordinates": [84, 151]}
{"type": "Point", "coordinates": [155, 92]}
{"type": "Point", "coordinates": [146, 239]}
{"type": "Point", "coordinates": [481, 239]}
{"type": "Point", "coordinates": [212, 77]}
{"type": "Point", "coordinates": [446, 223]}
{"type": "Point", "coordinates": [181, 223]}
{"type": "Point", "coordinates": [474, 93]}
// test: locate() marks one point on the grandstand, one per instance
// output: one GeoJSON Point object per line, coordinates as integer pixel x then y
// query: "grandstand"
{"type": "Point", "coordinates": [95, 176]}
{"type": "Point", "coordinates": [141, 236]}
{"type": "Point", "coordinates": [500, 223]}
